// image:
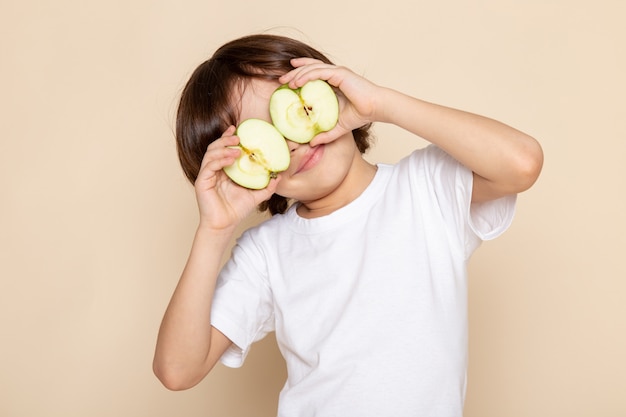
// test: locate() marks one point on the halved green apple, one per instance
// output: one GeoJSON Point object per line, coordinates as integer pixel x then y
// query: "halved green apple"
{"type": "Point", "coordinates": [264, 153]}
{"type": "Point", "coordinates": [300, 114]}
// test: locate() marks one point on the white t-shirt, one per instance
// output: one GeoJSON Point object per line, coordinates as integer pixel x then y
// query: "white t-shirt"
{"type": "Point", "coordinates": [369, 303]}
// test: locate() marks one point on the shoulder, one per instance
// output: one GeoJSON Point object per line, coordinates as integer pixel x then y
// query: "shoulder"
{"type": "Point", "coordinates": [433, 167]}
{"type": "Point", "coordinates": [431, 157]}
{"type": "Point", "coordinates": [264, 232]}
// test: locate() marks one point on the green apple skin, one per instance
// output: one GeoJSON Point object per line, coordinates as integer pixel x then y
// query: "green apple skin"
{"type": "Point", "coordinates": [264, 153]}
{"type": "Point", "coordinates": [301, 113]}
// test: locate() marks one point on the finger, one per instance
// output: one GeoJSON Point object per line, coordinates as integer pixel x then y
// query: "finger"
{"type": "Point", "coordinates": [230, 131]}
{"type": "Point", "coordinates": [304, 60]}
{"type": "Point", "coordinates": [216, 159]}
{"type": "Point", "coordinates": [227, 141]}
{"type": "Point", "coordinates": [327, 137]}
{"type": "Point", "coordinates": [313, 69]}
{"type": "Point", "coordinates": [228, 138]}
{"type": "Point", "coordinates": [298, 63]}
{"type": "Point", "coordinates": [266, 193]}
{"type": "Point", "coordinates": [258, 196]}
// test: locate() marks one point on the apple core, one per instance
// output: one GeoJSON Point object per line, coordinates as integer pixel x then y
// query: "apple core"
{"type": "Point", "coordinates": [264, 153]}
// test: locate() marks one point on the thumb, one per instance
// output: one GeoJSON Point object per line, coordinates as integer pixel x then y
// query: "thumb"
{"type": "Point", "coordinates": [265, 193]}
{"type": "Point", "coordinates": [329, 136]}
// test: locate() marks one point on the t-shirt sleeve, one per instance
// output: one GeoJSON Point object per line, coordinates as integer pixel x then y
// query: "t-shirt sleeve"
{"type": "Point", "coordinates": [452, 184]}
{"type": "Point", "coordinates": [242, 304]}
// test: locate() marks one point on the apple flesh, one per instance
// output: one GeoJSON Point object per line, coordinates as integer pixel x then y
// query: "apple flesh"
{"type": "Point", "coordinates": [301, 113]}
{"type": "Point", "coordinates": [264, 153]}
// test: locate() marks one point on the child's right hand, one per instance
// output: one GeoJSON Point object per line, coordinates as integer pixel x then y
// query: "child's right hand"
{"type": "Point", "coordinates": [222, 203]}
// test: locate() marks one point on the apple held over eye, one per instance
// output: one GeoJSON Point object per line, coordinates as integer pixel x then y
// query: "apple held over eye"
{"type": "Point", "coordinates": [300, 114]}
{"type": "Point", "coordinates": [264, 153]}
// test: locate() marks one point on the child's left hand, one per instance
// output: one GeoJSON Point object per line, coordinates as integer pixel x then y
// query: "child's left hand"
{"type": "Point", "coordinates": [357, 101]}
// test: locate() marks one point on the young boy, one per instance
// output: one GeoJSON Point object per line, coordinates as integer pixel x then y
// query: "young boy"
{"type": "Point", "coordinates": [361, 270]}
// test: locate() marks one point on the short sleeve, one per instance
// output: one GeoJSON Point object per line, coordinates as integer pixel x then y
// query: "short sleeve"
{"type": "Point", "coordinates": [490, 219]}
{"type": "Point", "coordinates": [242, 306]}
{"type": "Point", "coordinates": [471, 223]}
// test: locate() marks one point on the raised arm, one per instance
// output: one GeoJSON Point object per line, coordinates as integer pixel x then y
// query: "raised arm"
{"type": "Point", "coordinates": [188, 346]}
{"type": "Point", "coordinates": [504, 160]}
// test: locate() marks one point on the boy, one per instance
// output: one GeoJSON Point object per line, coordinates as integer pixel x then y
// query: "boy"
{"type": "Point", "coordinates": [361, 269]}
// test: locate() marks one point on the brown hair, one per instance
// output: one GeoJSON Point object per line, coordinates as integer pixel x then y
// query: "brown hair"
{"type": "Point", "coordinates": [206, 107]}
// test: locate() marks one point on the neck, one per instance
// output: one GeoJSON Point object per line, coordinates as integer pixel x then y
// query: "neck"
{"type": "Point", "coordinates": [357, 180]}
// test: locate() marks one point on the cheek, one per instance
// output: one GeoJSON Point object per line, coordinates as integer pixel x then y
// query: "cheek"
{"type": "Point", "coordinates": [314, 184]}
{"type": "Point", "coordinates": [325, 177]}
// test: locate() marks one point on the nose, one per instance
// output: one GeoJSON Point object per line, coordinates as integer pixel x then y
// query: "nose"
{"type": "Point", "coordinates": [292, 145]}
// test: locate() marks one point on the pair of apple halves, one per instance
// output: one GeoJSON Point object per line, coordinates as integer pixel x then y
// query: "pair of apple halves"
{"type": "Point", "coordinates": [298, 115]}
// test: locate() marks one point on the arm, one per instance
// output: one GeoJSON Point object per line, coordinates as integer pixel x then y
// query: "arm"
{"type": "Point", "coordinates": [504, 160]}
{"type": "Point", "coordinates": [188, 346]}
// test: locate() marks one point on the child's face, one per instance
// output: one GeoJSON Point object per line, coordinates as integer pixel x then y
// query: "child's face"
{"type": "Point", "coordinates": [314, 172]}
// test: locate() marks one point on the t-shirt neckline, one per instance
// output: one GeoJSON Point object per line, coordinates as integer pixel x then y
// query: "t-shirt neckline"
{"type": "Point", "coordinates": [350, 211]}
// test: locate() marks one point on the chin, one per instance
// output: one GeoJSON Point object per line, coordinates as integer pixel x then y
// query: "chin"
{"type": "Point", "coordinates": [311, 185]}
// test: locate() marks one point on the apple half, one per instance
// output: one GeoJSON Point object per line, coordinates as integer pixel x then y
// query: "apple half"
{"type": "Point", "coordinates": [264, 153]}
{"type": "Point", "coordinates": [301, 113]}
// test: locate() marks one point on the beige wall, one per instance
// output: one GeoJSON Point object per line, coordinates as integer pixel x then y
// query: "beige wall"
{"type": "Point", "coordinates": [96, 218]}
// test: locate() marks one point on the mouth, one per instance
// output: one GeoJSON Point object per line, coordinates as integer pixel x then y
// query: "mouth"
{"type": "Point", "coordinates": [310, 158]}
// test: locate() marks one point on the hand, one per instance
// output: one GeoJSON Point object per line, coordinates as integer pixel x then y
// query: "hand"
{"type": "Point", "coordinates": [222, 203]}
{"type": "Point", "coordinates": [357, 98]}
